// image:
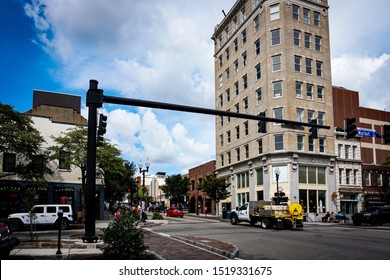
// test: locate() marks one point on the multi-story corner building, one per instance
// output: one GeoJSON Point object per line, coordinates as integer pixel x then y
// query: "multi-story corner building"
{"type": "Point", "coordinates": [52, 114]}
{"type": "Point", "coordinates": [154, 185]}
{"type": "Point", "coordinates": [363, 180]}
{"type": "Point", "coordinates": [199, 202]}
{"type": "Point", "coordinates": [273, 56]}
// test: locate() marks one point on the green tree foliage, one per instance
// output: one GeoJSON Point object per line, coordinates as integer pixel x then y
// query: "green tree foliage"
{"type": "Point", "coordinates": [20, 137]}
{"type": "Point", "coordinates": [215, 187]}
{"type": "Point", "coordinates": [123, 240]}
{"type": "Point", "coordinates": [176, 188]}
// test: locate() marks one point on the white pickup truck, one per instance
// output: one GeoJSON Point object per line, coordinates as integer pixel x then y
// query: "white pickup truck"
{"type": "Point", "coordinates": [44, 214]}
{"type": "Point", "coordinates": [268, 215]}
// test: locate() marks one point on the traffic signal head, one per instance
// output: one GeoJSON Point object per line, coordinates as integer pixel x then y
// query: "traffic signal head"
{"type": "Point", "coordinates": [101, 130]}
{"type": "Point", "coordinates": [262, 125]}
{"type": "Point", "coordinates": [351, 128]}
{"type": "Point", "coordinates": [313, 130]}
{"type": "Point", "coordinates": [386, 133]}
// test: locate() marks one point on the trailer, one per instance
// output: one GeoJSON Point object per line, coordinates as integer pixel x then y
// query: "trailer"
{"type": "Point", "coordinates": [269, 215]}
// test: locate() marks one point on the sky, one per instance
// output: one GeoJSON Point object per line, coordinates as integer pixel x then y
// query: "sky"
{"type": "Point", "coordinates": [161, 50]}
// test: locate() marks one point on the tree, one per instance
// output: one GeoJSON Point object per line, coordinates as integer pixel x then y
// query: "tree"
{"type": "Point", "coordinates": [71, 147]}
{"type": "Point", "coordinates": [176, 188]}
{"type": "Point", "coordinates": [215, 188]}
{"type": "Point", "coordinates": [18, 136]}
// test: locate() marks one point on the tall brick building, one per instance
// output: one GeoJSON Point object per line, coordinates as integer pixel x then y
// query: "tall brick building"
{"type": "Point", "coordinates": [273, 56]}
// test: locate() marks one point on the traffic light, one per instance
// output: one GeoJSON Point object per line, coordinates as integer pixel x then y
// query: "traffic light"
{"type": "Point", "coordinates": [262, 125]}
{"type": "Point", "coordinates": [351, 129]}
{"type": "Point", "coordinates": [386, 133]}
{"type": "Point", "coordinates": [313, 130]}
{"type": "Point", "coordinates": [101, 130]}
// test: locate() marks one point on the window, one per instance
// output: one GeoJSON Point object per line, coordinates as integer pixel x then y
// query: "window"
{"type": "Point", "coordinates": [321, 118]}
{"type": "Point", "coordinates": [278, 142]}
{"type": "Point", "coordinates": [236, 66]}
{"type": "Point", "coordinates": [276, 63]}
{"type": "Point", "coordinates": [244, 59]}
{"type": "Point", "coordinates": [235, 24]}
{"type": "Point", "coordinates": [245, 103]}
{"type": "Point", "coordinates": [237, 132]}
{"type": "Point", "coordinates": [243, 36]}
{"type": "Point", "coordinates": [311, 144]}
{"type": "Point", "coordinates": [236, 88]}
{"type": "Point", "coordinates": [64, 160]}
{"type": "Point", "coordinates": [235, 42]}
{"type": "Point", "coordinates": [229, 154]}
{"type": "Point", "coordinates": [340, 148]}
{"type": "Point", "coordinates": [322, 145]}
{"type": "Point", "coordinates": [228, 136]}
{"type": "Point", "coordinates": [278, 113]}
{"type": "Point", "coordinates": [243, 14]}
{"type": "Point", "coordinates": [227, 54]}
{"type": "Point", "coordinates": [312, 174]}
{"type": "Point", "coordinates": [258, 71]}
{"type": "Point", "coordinates": [277, 89]}
{"type": "Point", "coordinates": [340, 176]}
{"type": "Point", "coordinates": [256, 3]}
{"type": "Point", "coordinates": [246, 148]}
{"type": "Point", "coordinates": [221, 120]}
{"type": "Point", "coordinates": [260, 178]}
{"type": "Point", "coordinates": [238, 154]}
{"type": "Point", "coordinates": [317, 19]}
{"type": "Point", "coordinates": [321, 175]}
{"type": "Point", "coordinates": [275, 35]}
{"type": "Point", "coordinates": [306, 15]}
{"type": "Point", "coordinates": [227, 74]}
{"type": "Point", "coordinates": [307, 40]}
{"type": "Point", "coordinates": [310, 115]}
{"type": "Point", "coordinates": [368, 179]}
{"type": "Point", "coordinates": [319, 68]}
{"type": "Point", "coordinates": [297, 37]}
{"type": "Point", "coordinates": [295, 12]}
{"type": "Point", "coordinates": [260, 146]}
{"type": "Point", "coordinates": [227, 33]}
{"type": "Point", "coordinates": [220, 61]}
{"type": "Point", "coordinates": [299, 115]}
{"type": "Point", "coordinates": [258, 95]}
{"type": "Point", "coordinates": [220, 81]}
{"type": "Point", "coordinates": [347, 147]}
{"type": "Point", "coordinates": [222, 160]}
{"type": "Point", "coordinates": [245, 81]}
{"type": "Point", "coordinates": [221, 140]}
{"type": "Point", "coordinates": [237, 107]}
{"type": "Point", "coordinates": [220, 100]}
{"type": "Point", "coordinates": [308, 65]}
{"type": "Point", "coordinates": [354, 150]}
{"type": "Point", "coordinates": [302, 174]}
{"type": "Point", "coordinates": [309, 91]}
{"type": "Point", "coordinates": [355, 176]}
{"type": "Point", "coordinates": [274, 12]}
{"type": "Point", "coordinates": [298, 63]}
{"type": "Point", "coordinates": [246, 128]}
{"type": "Point", "coordinates": [347, 176]}
{"type": "Point", "coordinates": [320, 93]}
{"type": "Point", "coordinates": [9, 162]}
{"type": "Point", "coordinates": [257, 47]}
{"type": "Point", "coordinates": [318, 43]}
{"type": "Point", "coordinates": [298, 89]}
{"type": "Point", "coordinates": [256, 23]}
{"type": "Point", "coordinates": [300, 142]}
{"type": "Point", "coordinates": [220, 41]}
{"type": "Point", "coordinates": [228, 95]}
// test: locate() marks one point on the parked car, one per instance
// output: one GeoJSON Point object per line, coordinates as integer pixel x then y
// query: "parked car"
{"type": "Point", "coordinates": [42, 215]}
{"type": "Point", "coordinates": [7, 241]}
{"type": "Point", "coordinates": [156, 208]}
{"type": "Point", "coordinates": [375, 216]}
{"type": "Point", "coordinates": [175, 212]}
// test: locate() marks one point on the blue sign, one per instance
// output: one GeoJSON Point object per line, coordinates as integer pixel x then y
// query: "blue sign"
{"type": "Point", "coordinates": [366, 132]}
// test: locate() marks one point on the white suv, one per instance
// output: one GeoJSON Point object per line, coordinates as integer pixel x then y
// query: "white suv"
{"type": "Point", "coordinates": [44, 214]}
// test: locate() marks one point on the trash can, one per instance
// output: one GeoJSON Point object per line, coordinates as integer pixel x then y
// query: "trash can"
{"type": "Point", "coordinates": [228, 215]}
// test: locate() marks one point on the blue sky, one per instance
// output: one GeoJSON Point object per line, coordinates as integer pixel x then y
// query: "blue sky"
{"type": "Point", "coordinates": [161, 50]}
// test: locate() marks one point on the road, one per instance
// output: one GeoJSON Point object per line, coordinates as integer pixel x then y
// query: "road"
{"type": "Point", "coordinates": [316, 241]}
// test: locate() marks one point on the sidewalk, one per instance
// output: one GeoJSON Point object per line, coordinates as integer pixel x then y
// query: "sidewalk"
{"type": "Point", "coordinates": [161, 246]}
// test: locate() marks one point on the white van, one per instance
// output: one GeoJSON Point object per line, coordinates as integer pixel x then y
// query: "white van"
{"type": "Point", "coordinates": [43, 214]}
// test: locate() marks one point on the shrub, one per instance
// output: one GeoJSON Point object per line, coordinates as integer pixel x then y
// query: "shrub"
{"type": "Point", "coordinates": [157, 216]}
{"type": "Point", "coordinates": [123, 240]}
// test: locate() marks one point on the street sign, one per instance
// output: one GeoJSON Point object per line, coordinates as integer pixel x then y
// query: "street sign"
{"type": "Point", "coordinates": [364, 132]}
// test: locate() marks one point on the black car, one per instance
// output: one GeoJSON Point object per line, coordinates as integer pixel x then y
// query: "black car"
{"type": "Point", "coordinates": [7, 242]}
{"type": "Point", "coordinates": [156, 208]}
{"type": "Point", "coordinates": [375, 216]}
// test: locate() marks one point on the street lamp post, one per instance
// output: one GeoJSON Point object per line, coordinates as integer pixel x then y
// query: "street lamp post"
{"type": "Point", "coordinates": [277, 174]}
{"type": "Point", "coordinates": [143, 171]}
